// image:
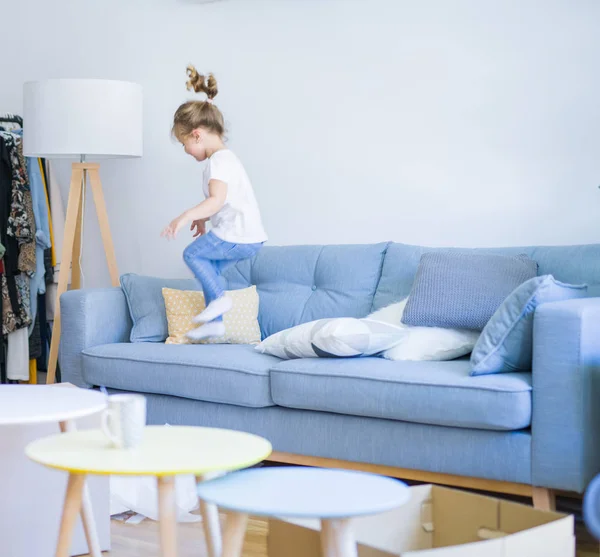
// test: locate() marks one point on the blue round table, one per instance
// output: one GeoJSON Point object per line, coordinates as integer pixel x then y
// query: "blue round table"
{"type": "Point", "coordinates": [333, 496]}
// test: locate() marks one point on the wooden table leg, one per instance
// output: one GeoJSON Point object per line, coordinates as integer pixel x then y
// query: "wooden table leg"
{"type": "Point", "coordinates": [211, 525]}
{"type": "Point", "coordinates": [337, 539]}
{"type": "Point", "coordinates": [235, 532]}
{"type": "Point", "coordinates": [71, 509]}
{"type": "Point", "coordinates": [167, 516]}
{"type": "Point", "coordinates": [89, 524]}
{"type": "Point", "coordinates": [327, 541]}
{"type": "Point", "coordinates": [87, 511]}
{"type": "Point", "coordinates": [544, 499]}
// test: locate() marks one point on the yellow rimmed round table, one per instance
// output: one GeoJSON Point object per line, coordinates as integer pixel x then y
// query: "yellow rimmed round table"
{"type": "Point", "coordinates": [165, 452]}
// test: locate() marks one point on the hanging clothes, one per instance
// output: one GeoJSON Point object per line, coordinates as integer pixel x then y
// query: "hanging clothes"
{"type": "Point", "coordinates": [20, 236]}
{"type": "Point", "coordinates": [2, 345]}
{"type": "Point", "coordinates": [37, 185]}
{"type": "Point", "coordinates": [57, 213]}
{"type": "Point", "coordinates": [35, 339]}
{"type": "Point", "coordinates": [49, 260]}
{"type": "Point", "coordinates": [21, 243]}
{"type": "Point", "coordinates": [21, 224]}
{"type": "Point", "coordinates": [11, 122]}
{"type": "Point", "coordinates": [42, 232]}
{"type": "Point", "coordinates": [17, 360]}
{"type": "Point", "coordinates": [9, 261]}
{"type": "Point", "coordinates": [10, 316]}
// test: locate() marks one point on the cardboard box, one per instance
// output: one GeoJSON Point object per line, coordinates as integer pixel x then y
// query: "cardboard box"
{"type": "Point", "coordinates": [440, 522]}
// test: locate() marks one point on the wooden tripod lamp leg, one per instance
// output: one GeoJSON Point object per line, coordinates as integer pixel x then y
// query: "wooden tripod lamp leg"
{"type": "Point", "coordinates": [65, 263]}
{"type": "Point", "coordinates": [76, 267]}
{"type": "Point", "coordinates": [109, 248]}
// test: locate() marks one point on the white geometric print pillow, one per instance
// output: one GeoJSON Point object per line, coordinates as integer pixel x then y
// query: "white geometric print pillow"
{"type": "Point", "coordinates": [343, 337]}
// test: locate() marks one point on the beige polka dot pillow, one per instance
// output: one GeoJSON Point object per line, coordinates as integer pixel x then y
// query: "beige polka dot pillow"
{"type": "Point", "coordinates": [241, 322]}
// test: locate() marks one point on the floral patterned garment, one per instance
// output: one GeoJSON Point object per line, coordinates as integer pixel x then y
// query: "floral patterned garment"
{"type": "Point", "coordinates": [20, 317]}
{"type": "Point", "coordinates": [9, 319]}
{"type": "Point", "coordinates": [27, 247]}
{"type": "Point", "coordinates": [23, 285]}
{"type": "Point", "coordinates": [21, 225]}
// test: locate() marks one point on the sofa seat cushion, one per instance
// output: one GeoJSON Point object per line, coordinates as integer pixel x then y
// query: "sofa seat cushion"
{"type": "Point", "coordinates": [230, 374]}
{"type": "Point", "coordinates": [439, 393]}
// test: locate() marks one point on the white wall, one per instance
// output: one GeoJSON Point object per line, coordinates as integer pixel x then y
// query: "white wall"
{"type": "Point", "coordinates": [463, 122]}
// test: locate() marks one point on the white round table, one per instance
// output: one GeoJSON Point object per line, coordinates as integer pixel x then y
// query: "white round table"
{"type": "Point", "coordinates": [38, 404]}
{"type": "Point", "coordinates": [26, 405]}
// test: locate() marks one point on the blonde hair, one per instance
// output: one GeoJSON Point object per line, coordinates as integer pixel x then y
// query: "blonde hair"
{"type": "Point", "coordinates": [199, 114]}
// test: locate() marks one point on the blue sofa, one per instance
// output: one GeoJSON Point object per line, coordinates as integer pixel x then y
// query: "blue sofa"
{"type": "Point", "coordinates": [524, 433]}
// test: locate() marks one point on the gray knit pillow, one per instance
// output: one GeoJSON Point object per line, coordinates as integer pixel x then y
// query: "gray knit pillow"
{"type": "Point", "coordinates": [462, 290]}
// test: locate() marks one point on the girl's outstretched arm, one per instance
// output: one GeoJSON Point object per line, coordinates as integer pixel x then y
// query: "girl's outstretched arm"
{"type": "Point", "coordinates": [211, 205]}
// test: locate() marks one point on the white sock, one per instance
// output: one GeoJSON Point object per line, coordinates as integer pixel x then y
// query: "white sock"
{"type": "Point", "coordinates": [215, 309]}
{"type": "Point", "coordinates": [208, 330]}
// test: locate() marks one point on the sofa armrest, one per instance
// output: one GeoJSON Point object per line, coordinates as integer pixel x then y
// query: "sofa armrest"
{"type": "Point", "coordinates": [566, 394]}
{"type": "Point", "coordinates": [90, 318]}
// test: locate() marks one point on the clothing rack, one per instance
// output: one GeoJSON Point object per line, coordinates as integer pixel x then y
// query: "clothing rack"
{"type": "Point", "coordinates": [26, 267]}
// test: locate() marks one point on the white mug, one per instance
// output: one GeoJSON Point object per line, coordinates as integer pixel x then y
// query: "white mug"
{"type": "Point", "coordinates": [124, 420]}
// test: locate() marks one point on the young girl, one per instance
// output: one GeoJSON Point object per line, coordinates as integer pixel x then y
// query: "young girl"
{"type": "Point", "coordinates": [237, 231]}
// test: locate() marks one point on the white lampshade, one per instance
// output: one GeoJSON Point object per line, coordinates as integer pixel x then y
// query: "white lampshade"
{"type": "Point", "coordinates": [73, 117]}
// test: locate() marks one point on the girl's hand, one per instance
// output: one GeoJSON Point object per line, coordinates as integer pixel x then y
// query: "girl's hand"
{"type": "Point", "coordinates": [174, 227]}
{"type": "Point", "coordinates": [200, 226]}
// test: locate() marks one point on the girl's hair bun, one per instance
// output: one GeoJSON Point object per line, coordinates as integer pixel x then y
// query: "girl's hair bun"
{"type": "Point", "coordinates": [201, 83]}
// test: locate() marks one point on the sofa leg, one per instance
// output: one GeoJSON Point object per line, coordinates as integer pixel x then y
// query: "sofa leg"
{"type": "Point", "coordinates": [544, 499]}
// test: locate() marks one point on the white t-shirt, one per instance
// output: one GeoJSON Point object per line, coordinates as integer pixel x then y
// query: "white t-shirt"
{"type": "Point", "coordinates": [239, 220]}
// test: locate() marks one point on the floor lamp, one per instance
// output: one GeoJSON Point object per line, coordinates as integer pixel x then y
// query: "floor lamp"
{"type": "Point", "coordinates": [85, 119]}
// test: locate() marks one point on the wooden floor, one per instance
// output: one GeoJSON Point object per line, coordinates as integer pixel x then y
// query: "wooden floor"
{"type": "Point", "coordinates": [142, 540]}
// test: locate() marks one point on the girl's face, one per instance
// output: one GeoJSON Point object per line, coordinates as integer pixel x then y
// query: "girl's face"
{"type": "Point", "coordinates": [193, 145]}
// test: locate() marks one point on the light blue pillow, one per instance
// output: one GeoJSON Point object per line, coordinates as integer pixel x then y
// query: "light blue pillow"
{"type": "Point", "coordinates": [462, 290]}
{"type": "Point", "coordinates": [506, 342]}
{"type": "Point", "coordinates": [147, 305]}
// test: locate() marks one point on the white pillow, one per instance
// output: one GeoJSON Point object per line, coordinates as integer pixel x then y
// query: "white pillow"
{"type": "Point", "coordinates": [425, 343]}
{"type": "Point", "coordinates": [342, 337]}
{"type": "Point", "coordinates": [346, 337]}
{"type": "Point", "coordinates": [290, 343]}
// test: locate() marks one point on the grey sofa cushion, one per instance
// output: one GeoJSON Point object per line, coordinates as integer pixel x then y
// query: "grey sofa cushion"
{"type": "Point", "coordinates": [440, 393]}
{"type": "Point", "coordinates": [231, 374]}
{"type": "Point", "coordinates": [463, 290]}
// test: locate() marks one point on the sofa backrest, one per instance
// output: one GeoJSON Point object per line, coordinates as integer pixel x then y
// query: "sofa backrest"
{"type": "Point", "coordinates": [297, 284]}
{"type": "Point", "coordinates": [571, 264]}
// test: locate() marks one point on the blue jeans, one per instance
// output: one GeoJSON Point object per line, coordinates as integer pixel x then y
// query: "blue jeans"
{"type": "Point", "coordinates": [208, 256]}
